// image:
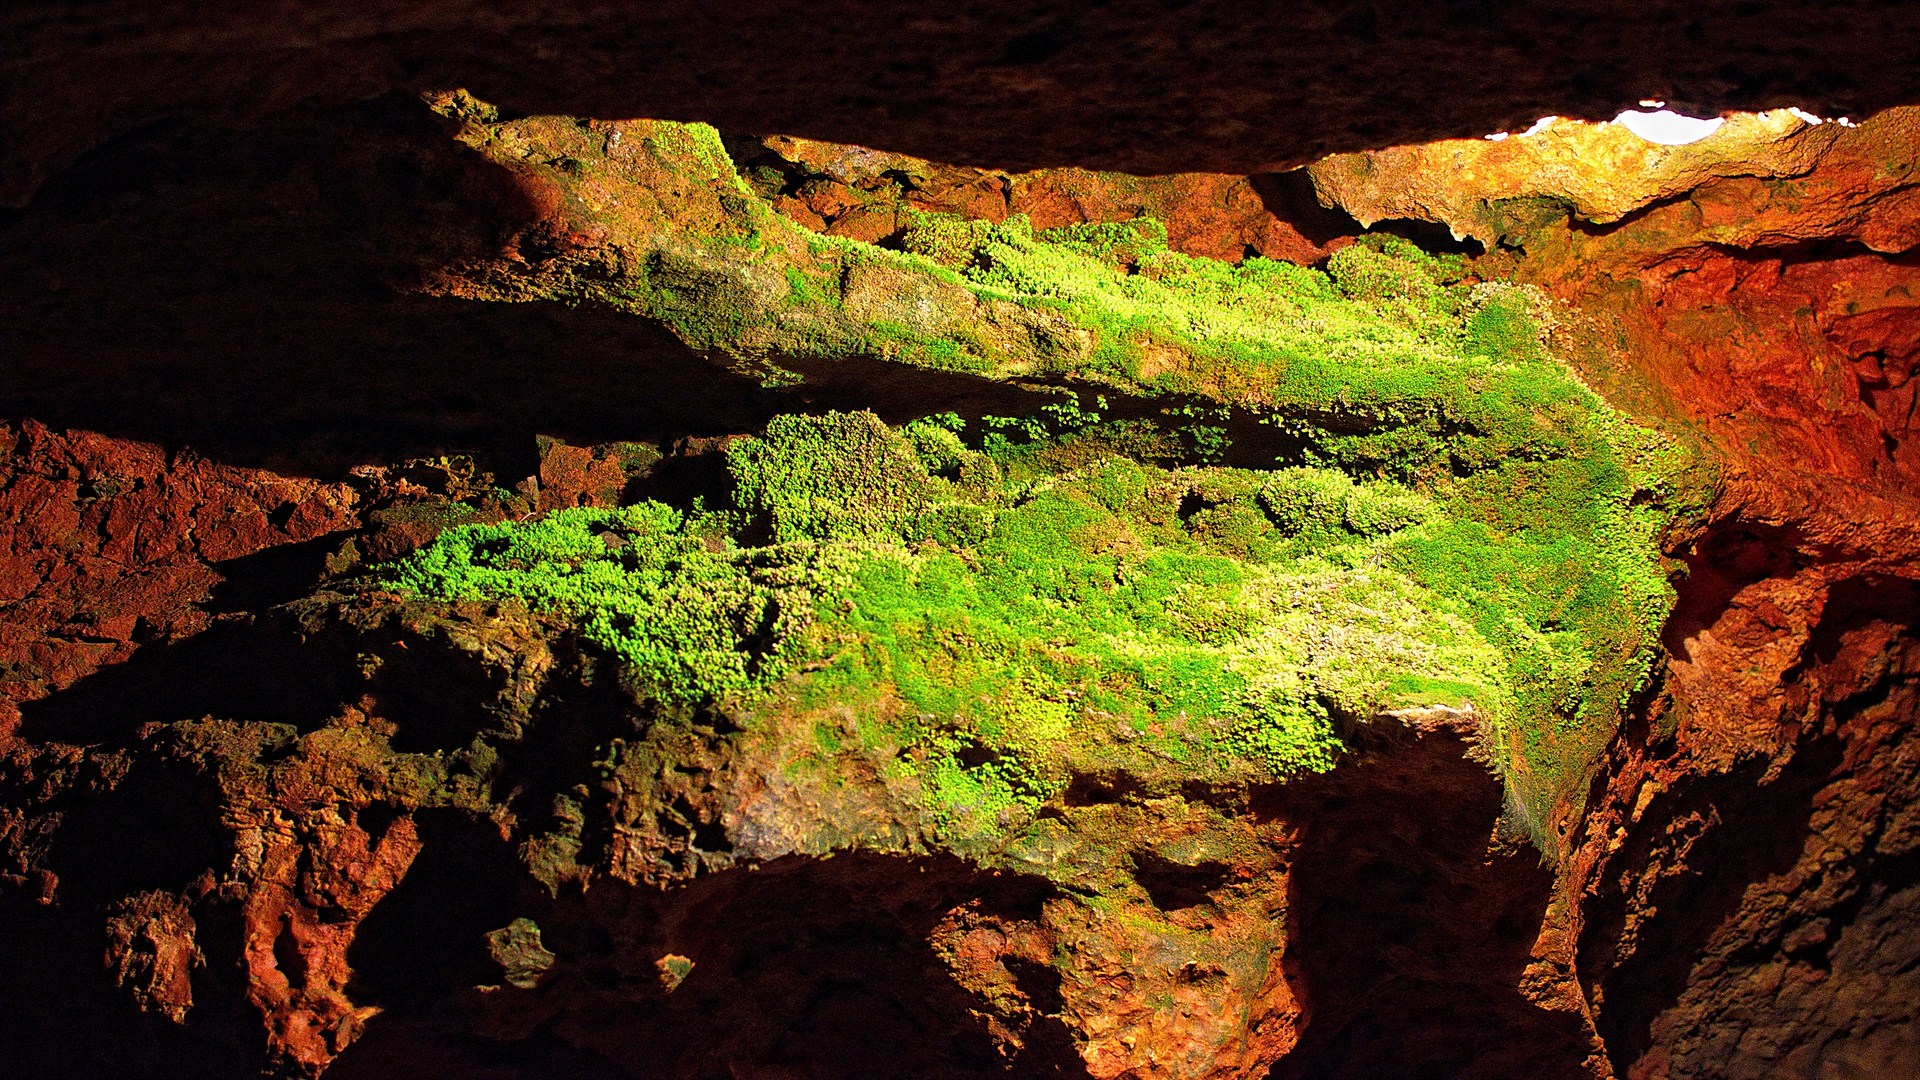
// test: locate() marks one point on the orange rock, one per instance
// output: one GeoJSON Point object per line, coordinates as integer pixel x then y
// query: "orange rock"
{"type": "Point", "coordinates": [107, 543]}
{"type": "Point", "coordinates": [298, 922]}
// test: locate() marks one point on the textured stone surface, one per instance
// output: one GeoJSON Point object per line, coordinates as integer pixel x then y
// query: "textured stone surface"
{"type": "Point", "coordinates": [323, 873]}
{"type": "Point", "coordinates": [107, 545]}
{"type": "Point", "coordinates": [1740, 888]}
{"type": "Point", "coordinates": [870, 195]}
{"type": "Point", "coordinates": [1760, 283]}
{"type": "Point", "coordinates": [1133, 86]}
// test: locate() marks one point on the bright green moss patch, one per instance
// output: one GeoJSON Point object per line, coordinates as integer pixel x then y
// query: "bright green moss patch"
{"type": "Point", "coordinates": [1426, 508]}
{"type": "Point", "coordinates": [1070, 607]}
{"type": "Point", "coordinates": [690, 622]}
{"type": "Point", "coordinates": [843, 476]}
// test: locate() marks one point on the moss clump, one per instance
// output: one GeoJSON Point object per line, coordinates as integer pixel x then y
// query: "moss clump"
{"type": "Point", "coordinates": [1445, 512]}
{"type": "Point", "coordinates": [1000, 625]}
{"type": "Point", "coordinates": [843, 476]}
{"type": "Point", "coordinates": [691, 623]}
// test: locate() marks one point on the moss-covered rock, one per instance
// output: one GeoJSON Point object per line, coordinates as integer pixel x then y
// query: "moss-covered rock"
{"type": "Point", "coordinates": [1426, 507]}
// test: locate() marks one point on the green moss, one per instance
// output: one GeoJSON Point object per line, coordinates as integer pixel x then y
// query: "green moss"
{"type": "Point", "coordinates": [843, 476]}
{"type": "Point", "coordinates": [1444, 513]}
{"type": "Point", "coordinates": [690, 622]}
{"type": "Point", "coordinates": [1032, 622]}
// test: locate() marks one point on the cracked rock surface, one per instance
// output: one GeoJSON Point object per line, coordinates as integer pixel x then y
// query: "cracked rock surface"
{"type": "Point", "coordinates": [273, 324]}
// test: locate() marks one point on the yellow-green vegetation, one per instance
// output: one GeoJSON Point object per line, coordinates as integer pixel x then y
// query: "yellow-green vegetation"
{"type": "Point", "coordinates": [649, 588]}
{"type": "Point", "coordinates": [1008, 618]}
{"type": "Point", "coordinates": [1386, 361]}
{"type": "Point", "coordinates": [1437, 513]}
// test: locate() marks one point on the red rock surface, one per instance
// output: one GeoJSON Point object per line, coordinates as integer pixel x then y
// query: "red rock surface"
{"type": "Point", "coordinates": [869, 195]}
{"type": "Point", "coordinates": [107, 545]}
{"type": "Point", "coordinates": [310, 890]}
{"type": "Point", "coordinates": [1756, 916]}
{"type": "Point", "coordinates": [1759, 285]}
{"type": "Point", "coordinates": [1738, 898]}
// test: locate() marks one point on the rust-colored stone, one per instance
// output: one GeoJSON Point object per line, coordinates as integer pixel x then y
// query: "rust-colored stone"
{"type": "Point", "coordinates": [107, 544]}
{"type": "Point", "coordinates": [869, 195]}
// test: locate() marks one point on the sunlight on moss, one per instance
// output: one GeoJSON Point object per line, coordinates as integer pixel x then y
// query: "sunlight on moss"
{"type": "Point", "coordinates": [1216, 619]}
{"type": "Point", "coordinates": [1441, 512]}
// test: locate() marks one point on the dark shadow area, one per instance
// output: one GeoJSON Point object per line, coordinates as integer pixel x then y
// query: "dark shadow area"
{"type": "Point", "coordinates": [825, 969]}
{"type": "Point", "coordinates": [1204, 85]}
{"type": "Point", "coordinates": [1290, 196]}
{"type": "Point", "coordinates": [581, 709]}
{"type": "Point", "coordinates": [1876, 949]}
{"type": "Point", "coordinates": [269, 668]}
{"type": "Point", "coordinates": [248, 670]}
{"type": "Point", "coordinates": [1432, 236]}
{"type": "Point", "coordinates": [1176, 886]}
{"type": "Point", "coordinates": [1102, 789]}
{"type": "Point", "coordinates": [1407, 934]}
{"type": "Point", "coordinates": [229, 293]}
{"type": "Point", "coordinates": [1856, 604]}
{"type": "Point", "coordinates": [900, 392]}
{"type": "Point", "coordinates": [426, 939]}
{"type": "Point", "coordinates": [274, 576]}
{"type": "Point", "coordinates": [1726, 559]}
{"type": "Point", "coordinates": [1759, 830]}
{"type": "Point", "coordinates": [62, 1018]}
{"type": "Point", "coordinates": [437, 696]}
{"type": "Point", "coordinates": [159, 828]}
{"type": "Point", "coordinates": [804, 968]}
{"type": "Point", "coordinates": [397, 1048]}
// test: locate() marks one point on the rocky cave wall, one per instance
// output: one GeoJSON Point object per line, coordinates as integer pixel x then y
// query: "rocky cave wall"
{"type": "Point", "coordinates": [220, 367]}
{"type": "Point", "coordinates": [1775, 755]}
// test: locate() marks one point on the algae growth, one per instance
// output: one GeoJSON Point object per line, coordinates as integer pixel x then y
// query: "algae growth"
{"type": "Point", "coordinates": [1445, 514]}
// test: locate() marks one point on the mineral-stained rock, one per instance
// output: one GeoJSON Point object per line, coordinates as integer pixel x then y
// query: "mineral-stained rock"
{"type": "Point", "coordinates": [106, 545]}
{"type": "Point", "coordinates": [1737, 884]}
{"type": "Point", "coordinates": [1795, 953]}
{"type": "Point", "coordinates": [300, 815]}
{"type": "Point", "coordinates": [1729, 279]}
{"type": "Point", "coordinates": [150, 946]}
{"type": "Point", "coordinates": [867, 195]}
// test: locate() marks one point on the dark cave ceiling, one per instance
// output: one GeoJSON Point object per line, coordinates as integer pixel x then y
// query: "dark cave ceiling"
{"type": "Point", "coordinates": [1132, 85]}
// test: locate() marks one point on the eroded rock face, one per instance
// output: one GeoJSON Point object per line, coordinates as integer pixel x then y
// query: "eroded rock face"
{"type": "Point", "coordinates": [111, 545]}
{"type": "Point", "coordinates": [363, 877]}
{"type": "Point", "coordinates": [1760, 281]}
{"type": "Point", "coordinates": [1794, 955]}
{"type": "Point", "coordinates": [867, 195]}
{"type": "Point", "coordinates": [1737, 885]}
{"type": "Point", "coordinates": [278, 832]}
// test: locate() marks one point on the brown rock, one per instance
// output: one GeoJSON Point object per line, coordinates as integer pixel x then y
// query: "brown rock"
{"type": "Point", "coordinates": [106, 544]}
{"type": "Point", "coordinates": [151, 950]}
